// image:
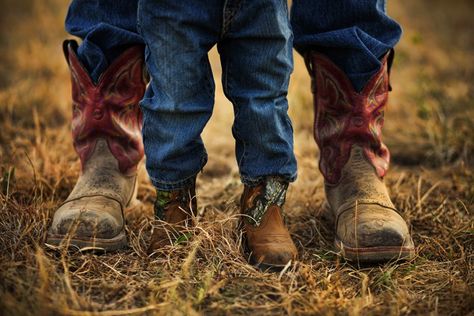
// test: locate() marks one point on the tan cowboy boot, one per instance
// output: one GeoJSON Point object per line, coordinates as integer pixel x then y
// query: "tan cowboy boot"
{"type": "Point", "coordinates": [176, 210]}
{"type": "Point", "coordinates": [106, 129]}
{"type": "Point", "coordinates": [354, 160]}
{"type": "Point", "coordinates": [266, 238]}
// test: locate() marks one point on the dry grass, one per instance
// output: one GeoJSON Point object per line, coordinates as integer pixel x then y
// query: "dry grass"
{"type": "Point", "coordinates": [429, 127]}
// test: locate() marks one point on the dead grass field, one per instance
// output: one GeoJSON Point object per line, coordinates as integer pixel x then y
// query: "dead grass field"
{"type": "Point", "coordinates": [430, 129]}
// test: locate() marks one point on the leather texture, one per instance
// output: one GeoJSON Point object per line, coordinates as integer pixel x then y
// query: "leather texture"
{"type": "Point", "coordinates": [344, 117]}
{"type": "Point", "coordinates": [176, 211]}
{"type": "Point", "coordinates": [268, 242]}
{"type": "Point", "coordinates": [354, 160]}
{"type": "Point", "coordinates": [106, 129]}
{"type": "Point", "coordinates": [109, 109]}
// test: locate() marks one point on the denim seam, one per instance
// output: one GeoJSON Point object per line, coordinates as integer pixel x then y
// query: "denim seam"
{"type": "Point", "coordinates": [139, 29]}
{"type": "Point", "coordinates": [229, 15]}
{"type": "Point", "coordinates": [209, 79]}
{"type": "Point", "coordinates": [223, 19]}
{"type": "Point", "coordinates": [139, 25]}
{"type": "Point", "coordinates": [285, 7]}
{"type": "Point", "coordinates": [240, 161]}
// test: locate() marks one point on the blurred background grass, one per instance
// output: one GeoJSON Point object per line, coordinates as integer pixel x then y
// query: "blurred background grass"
{"type": "Point", "coordinates": [429, 129]}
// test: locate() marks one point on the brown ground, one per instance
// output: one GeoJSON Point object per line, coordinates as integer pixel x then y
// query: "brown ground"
{"type": "Point", "coordinates": [430, 129]}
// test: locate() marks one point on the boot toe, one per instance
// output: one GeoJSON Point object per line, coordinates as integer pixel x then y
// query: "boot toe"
{"type": "Point", "coordinates": [373, 226]}
{"type": "Point", "coordinates": [88, 218]}
{"type": "Point", "coordinates": [271, 254]}
{"type": "Point", "coordinates": [89, 224]}
{"type": "Point", "coordinates": [275, 258]}
{"type": "Point", "coordinates": [386, 236]}
{"type": "Point", "coordinates": [163, 235]}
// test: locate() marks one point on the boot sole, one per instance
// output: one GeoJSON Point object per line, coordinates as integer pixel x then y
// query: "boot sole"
{"type": "Point", "coordinates": [119, 242]}
{"type": "Point", "coordinates": [374, 254]}
{"type": "Point", "coordinates": [265, 267]}
{"type": "Point", "coordinates": [262, 266]}
{"type": "Point", "coordinates": [58, 242]}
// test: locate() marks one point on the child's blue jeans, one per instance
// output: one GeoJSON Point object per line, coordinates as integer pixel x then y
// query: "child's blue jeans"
{"type": "Point", "coordinates": [254, 40]}
{"type": "Point", "coordinates": [254, 43]}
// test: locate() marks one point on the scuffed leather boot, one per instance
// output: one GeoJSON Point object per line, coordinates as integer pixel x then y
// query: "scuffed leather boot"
{"type": "Point", "coordinates": [354, 160]}
{"type": "Point", "coordinates": [176, 210]}
{"type": "Point", "coordinates": [106, 130]}
{"type": "Point", "coordinates": [266, 238]}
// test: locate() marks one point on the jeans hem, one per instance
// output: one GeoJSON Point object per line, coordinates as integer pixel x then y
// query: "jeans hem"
{"type": "Point", "coordinates": [187, 182]}
{"type": "Point", "coordinates": [252, 182]}
{"type": "Point", "coordinates": [171, 186]}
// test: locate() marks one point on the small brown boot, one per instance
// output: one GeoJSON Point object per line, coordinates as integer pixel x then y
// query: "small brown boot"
{"type": "Point", "coordinates": [106, 130]}
{"type": "Point", "coordinates": [176, 209]}
{"type": "Point", "coordinates": [266, 238]}
{"type": "Point", "coordinates": [354, 160]}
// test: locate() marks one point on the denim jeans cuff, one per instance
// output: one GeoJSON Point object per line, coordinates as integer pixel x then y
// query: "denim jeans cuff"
{"type": "Point", "coordinates": [252, 182]}
{"type": "Point", "coordinates": [171, 186]}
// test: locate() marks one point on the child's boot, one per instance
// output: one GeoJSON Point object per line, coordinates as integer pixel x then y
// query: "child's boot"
{"type": "Point", "coordinates": [106, 130]}
{"type": "Point", "coordinates": [176, 209]}
{"type": "Point", "coordinates": [266, 239]}
{"type": "Point", "coordinates": [354, 160]}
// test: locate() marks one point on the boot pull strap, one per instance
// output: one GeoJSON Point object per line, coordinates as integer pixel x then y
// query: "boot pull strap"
{"type": "Point", "coordinates": [390, 58]}
{"type": "Point", "coordinates": [308, 60]}
{"type": "Point", "coordinates": [66, 45]}
{"type": "Point", "coordinates": [309, 64]}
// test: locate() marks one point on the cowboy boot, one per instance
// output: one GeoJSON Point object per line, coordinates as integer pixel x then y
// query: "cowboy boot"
{"type": "Point", "coordinates": [266, 239]}
{"type": "Point", "coordinates": [175, 210]}
{"type": "Point", "coordinates": [106, 130]}
{"type": "Point", "coordinates": [354, 160]}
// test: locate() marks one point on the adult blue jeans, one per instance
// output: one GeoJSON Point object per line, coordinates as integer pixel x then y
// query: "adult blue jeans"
{"type": "Point", "coordinates": [353, 33]}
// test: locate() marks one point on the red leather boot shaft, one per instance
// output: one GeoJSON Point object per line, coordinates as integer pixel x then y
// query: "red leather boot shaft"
{"type": "Point", "coordinates": [344, 117]}
{"type": "Point", "coordinates": [109, 108]}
